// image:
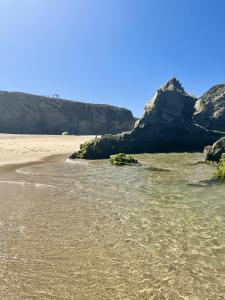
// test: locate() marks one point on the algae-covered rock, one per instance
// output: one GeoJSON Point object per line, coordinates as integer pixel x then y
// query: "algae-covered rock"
{"type": "Point", "coordinates": [220, 172]}
{"type": "Point", "coordinates": [105, 146]}
{"type": "Point", "coordinates": [122, 159]}
{"type": "Point", "coordinates": [85, 150]}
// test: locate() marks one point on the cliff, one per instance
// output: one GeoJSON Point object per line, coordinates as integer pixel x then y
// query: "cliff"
{"type": "Point", "coordinates": [31, 114]}
{"type": "Point", "coordinates": [210, 108]}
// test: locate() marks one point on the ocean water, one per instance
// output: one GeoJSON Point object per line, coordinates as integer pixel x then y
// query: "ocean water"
{"type": "Point", "coordinates": [89, 230]}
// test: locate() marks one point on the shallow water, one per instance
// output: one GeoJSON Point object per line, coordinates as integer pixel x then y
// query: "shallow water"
{"type": "Point", "coordinates": [89, 230]}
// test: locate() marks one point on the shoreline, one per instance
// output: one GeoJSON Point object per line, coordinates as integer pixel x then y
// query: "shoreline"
{"type": "Point", "coordinates": [24, 149]}
{"type": "Point", "coordinates": [8, 167]}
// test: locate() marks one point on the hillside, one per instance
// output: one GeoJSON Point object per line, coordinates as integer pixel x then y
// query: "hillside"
{"type": "Point", "coordinates": [31, 114]}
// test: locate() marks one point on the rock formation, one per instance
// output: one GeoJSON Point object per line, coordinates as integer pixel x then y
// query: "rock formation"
{"type": "Point", "coordinates": [166, 126]}
{"type": "Point", "coordinates": [25, 113]}
{"type": "Point", "coordinates": [210, 109]}
{"type": "Point", "coordinates": [214, 152]}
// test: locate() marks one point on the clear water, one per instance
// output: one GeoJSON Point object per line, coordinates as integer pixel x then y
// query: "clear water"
{"type": "Point", "coordinates": [89, 230]}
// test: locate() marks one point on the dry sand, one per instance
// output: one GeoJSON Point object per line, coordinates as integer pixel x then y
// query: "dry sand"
{"type": "Point", "coordinates": [18, 148]}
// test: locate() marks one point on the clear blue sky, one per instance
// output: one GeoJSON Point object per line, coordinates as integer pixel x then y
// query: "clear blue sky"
{"type": "Point", "coordinates": [111, 51]}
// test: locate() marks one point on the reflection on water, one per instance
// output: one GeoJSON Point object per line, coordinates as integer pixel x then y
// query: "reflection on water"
{"type": "Point", "coordinates": [89, 230]}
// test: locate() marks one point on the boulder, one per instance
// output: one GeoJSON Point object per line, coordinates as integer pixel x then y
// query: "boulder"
{"type": "Point", "coordinates": [214, 152]}
{"type": "Point", "coordinates": [166, 126]}
{"type": "Point", "coordinates": [210, 109]}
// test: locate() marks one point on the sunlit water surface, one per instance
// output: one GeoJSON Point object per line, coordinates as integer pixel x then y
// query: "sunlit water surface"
{"type": "Point", "coordinates": [89, 230]}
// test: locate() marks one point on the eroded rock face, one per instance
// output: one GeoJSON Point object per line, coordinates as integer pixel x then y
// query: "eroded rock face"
{"type": "Point", "coordinates": [25, 113]}
{"type": "Point", "coordinates": [166, 126]}
{"type": "Point", "coordinates": [214, 152]}
{"type": "Point", "coordinates": [210, 109]}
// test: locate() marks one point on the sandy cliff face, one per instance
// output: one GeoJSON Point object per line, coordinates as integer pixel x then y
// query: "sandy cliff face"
{"type": "Point", "coordinates": [26, 113]}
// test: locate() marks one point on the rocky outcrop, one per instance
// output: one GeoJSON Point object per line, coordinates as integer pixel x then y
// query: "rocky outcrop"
{"type": "Point", "coordinates": [25, 113]}
{"type": "Point", "coordinates": [210, 109]}
{"type": "Point", "coordinates": [214, 152]}
{"type": "Point", "coordinates": [166, 126]}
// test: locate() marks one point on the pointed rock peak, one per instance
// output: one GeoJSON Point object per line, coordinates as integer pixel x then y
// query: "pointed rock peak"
{"type": "Point", "coordinates": [173, 84]}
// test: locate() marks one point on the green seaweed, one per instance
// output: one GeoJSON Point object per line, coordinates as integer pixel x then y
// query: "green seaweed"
{"type": "Point", "coordinates": [220, 171]}
{"type": "Point", "coordinates": [122, 159]}
{"type": "Point", "coordinates": [83, 151]}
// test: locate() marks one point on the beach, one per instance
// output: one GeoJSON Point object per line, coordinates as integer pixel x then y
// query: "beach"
{"type": "Point", "coordinates": [19, 148]}
{"type": "Point", "coordinates": [85, 229]}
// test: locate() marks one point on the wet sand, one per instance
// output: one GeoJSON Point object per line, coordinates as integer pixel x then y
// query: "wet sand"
{"type": "Point", "coordinates": [18, 148]}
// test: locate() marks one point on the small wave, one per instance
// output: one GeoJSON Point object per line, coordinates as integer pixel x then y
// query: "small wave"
{"type": "Point", "coordinates": [14, 182]}
{"type": "Point", "coordinates": [39, 185]}
{"type": "Point", "coordinates": [23, 183]}
{"type": "Point", "coordinates": [76, 161]}
{"type": "Point", "coordinates": [19, 171]}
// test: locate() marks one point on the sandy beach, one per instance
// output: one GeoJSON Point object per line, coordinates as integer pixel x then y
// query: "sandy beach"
{"type": "Point", "coordinates": [18, 148]}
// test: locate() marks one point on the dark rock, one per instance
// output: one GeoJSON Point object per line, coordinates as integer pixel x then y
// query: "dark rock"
{"type": "Point", "coordinates": [122, 159]}
{"type": "Point", "coordinates": [105, 146]}
{"type": "Point", "coordinates": [204, 183]}
{"type": "Point", "coordinates": [214, 152]}
{"type": "Point", "coordinates": [166, 126]}
{"type": "Point", "coordinates": [25, 113]}
{"type": "Point", "coordinates": [210, 109]}
{"type": "Point", "coordinates": [155, 169]}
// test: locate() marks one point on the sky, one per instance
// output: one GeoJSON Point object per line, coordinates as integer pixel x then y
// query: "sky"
{"type": "Point", "coordinates": [111, 51]}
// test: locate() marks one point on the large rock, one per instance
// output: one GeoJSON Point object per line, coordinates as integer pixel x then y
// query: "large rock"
{"type": "Point", "coordinates": [25, 113]}
{"type": "Point", "coordinates": [214, 152]}
{"type": "Point", "coordinates": [166, 126]}
{"type": "Point", "coordinates": [210, 109]}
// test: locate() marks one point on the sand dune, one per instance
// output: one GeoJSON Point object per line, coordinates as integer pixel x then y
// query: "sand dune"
{"type": "Point", "coordinates": [16, 148]}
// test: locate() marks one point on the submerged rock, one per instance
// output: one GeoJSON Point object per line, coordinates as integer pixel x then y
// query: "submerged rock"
{"type": "Point", "coordinates": [122, 159]}
{"type": "Point", "coordinates": [166, 126]}
{"type": "Point", "coordinates": [204, 183]}
{"type": "Point", "coordinates": [220, 171]}
{"type": "Point", "coordinates": [210, 108]}
{"type": "Point", "coordinates": [214, 152]}
{"type": "Point", "coordinates": [155, 169]}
